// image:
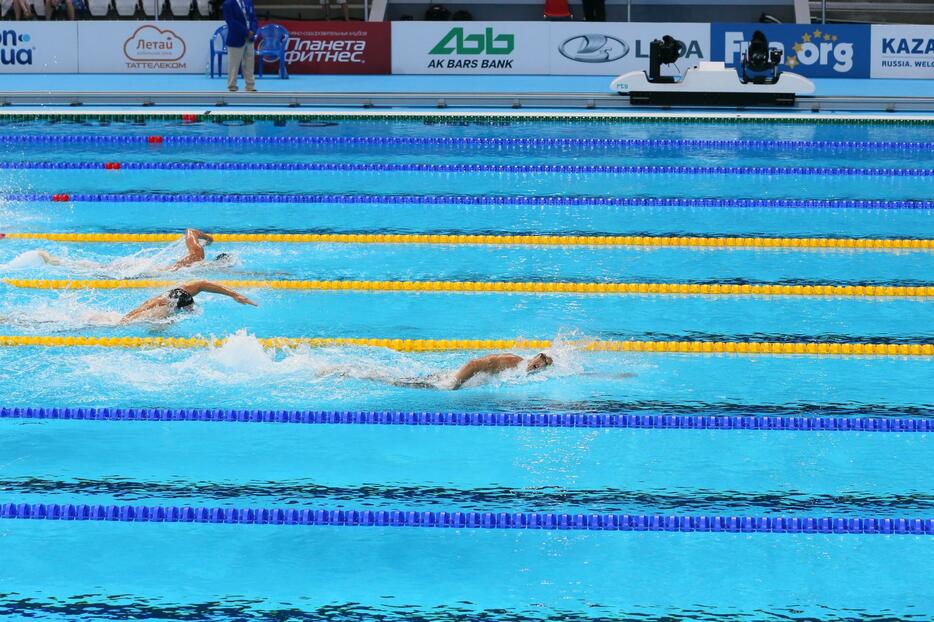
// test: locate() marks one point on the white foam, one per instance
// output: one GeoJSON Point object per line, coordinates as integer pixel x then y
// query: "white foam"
{"type": "Point", "coordinates": [242, 361]}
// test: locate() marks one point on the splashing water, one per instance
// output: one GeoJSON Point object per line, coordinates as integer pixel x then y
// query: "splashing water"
{"type": "Point", "coordinates": [242, 361]}
{"type": "Point", "coordinates": [143, 263]}
{"type": "Point", "coordinates": [61, 314]}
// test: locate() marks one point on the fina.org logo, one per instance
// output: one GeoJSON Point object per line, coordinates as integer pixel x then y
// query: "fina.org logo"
{"type": "Point", "coordinates": [593, 48]}
{"type": "Point", "coordinates": [12, 49]}
{"type": "Point", "coordinates": [812, 48]}
{"type": "Point", "coordinates": [818, 47]}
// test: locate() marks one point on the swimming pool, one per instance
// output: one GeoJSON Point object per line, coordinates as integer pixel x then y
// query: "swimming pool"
{"type": "Point", "coordinates": [736, 424]}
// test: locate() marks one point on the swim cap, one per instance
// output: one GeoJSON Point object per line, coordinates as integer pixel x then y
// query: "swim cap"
{"type": "Point", "coordinates": [181, 297]}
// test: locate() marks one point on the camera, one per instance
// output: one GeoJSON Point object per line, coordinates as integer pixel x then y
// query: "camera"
{"type": "Point", "coordinates": [760, 58]}
{"type": "Point", "coordinates": [664, 51]}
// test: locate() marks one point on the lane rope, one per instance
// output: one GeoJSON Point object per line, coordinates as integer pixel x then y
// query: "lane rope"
{"type": "Point", "coordinates": [467, 520]}
{"type": "Point", "coordinates": [447, 345]}
{"type": "Point", "coordinates": [498, 239]}
{"type": "Point", "coordinates": [471, 141]}
{"type": "Point", "coordinates": [445, 117]}
{"type": "Point", "coordinates": [502, 419]}
{"type": "Point", "coordinates": [510, 287]}
{"type": "Point", "coordinates": [434, 199]}
{"type": "Point", "coordinates": [571, 169]}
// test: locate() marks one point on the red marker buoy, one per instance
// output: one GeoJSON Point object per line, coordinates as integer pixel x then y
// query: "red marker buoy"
{"type": "Point", "coordinates": [189, 118]}
{"type": "Point", "coordinates": [155, 140]}
{"type": "Point", "coordinates": [112, 166]}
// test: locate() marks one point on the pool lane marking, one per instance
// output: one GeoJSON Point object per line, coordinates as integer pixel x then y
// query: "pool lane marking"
{"type": "Point", "coordinates": [445, 345]}
{"type": "Point", "coordinates": [470, 199]}
{"type": "Point", "coordinates": [608, 420]}
{"type": "Point", "coordinates": [135, 113]}
{"type": "Point", "coordinates": [511, 287]}
{"type": "Point", "coordinates": [381, 167]}
{"type": "Point", "coordinates": [502, 240]}
{"type": "Point", "coordinates": [469, 519]}
{"type": "Point", "coordinates": [469, 141]}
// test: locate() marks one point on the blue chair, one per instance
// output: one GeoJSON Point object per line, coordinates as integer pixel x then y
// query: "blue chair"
{"type": "Point", "coordinates": [272, 41]}
{"type": "Point", "coordinates": [218, 49]}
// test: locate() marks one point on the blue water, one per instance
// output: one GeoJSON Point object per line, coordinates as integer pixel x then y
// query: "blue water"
{"type": "Point", "coordinates": [110, 571]}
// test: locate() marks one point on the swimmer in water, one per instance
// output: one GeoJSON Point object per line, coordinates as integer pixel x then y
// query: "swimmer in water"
{"type": "Point", "coordinates": [181, 298]}
{"type": "Point", "coordinates": [193, 241]}
{"type": "Point", "coordinates": [497, 364]}
{"type": "Point", "coordinates": [493, 364]}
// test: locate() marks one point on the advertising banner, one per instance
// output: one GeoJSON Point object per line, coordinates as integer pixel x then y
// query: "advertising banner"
{"type": "Point", "coordinates": [337, 47]}
{"type": "Point", "coordinates": [144, 47]}
{"type": "Point", "coordinates": [483, 48]}
{"type": "Point", "coordinates": [611, 49]}
{"type": "Point", "coordinates": [812, 50]}
{"type": "Point", "coordinates": [902, 52]}
{"type": "Point", "coordinates": [37, 47]}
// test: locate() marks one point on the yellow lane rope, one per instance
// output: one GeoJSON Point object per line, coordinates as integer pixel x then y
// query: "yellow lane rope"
{"type": "Point", "coordinates": [517, 240]}
{"type": "Point", "coordinates": [435, 345]}
{"type": "Point", "coordinates": [508, 287]}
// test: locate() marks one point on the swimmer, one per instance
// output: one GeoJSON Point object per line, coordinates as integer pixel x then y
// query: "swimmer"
{"type": "Point", "coordinates": [181, 298]}
{"type": "Point", "coordinates": [493, 364]}
{"type": "Point", "coordinates": [193, 239]}
{"type": "Point", "coordinates": [497, 364]}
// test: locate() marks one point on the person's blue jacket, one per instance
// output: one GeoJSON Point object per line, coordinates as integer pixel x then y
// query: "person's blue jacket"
{"type": "Point", "coordinates": [237, 25]}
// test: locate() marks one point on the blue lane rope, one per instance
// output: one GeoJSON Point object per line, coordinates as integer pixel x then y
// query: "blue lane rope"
{"type": "Point", "coordinates": [467, 520]}
{"type": "Point", "coordinates": [475, 168]}
{"type": "Point", "coordinates": [516, 142]}
{"type": "Point", "coordinates": [528, 420]}
{"type": "Point", "coordinates": [135, 197]}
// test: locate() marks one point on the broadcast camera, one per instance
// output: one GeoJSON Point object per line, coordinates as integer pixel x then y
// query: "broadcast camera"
{"type": "Point", "coordinates": [760, 59]}
{"type": "Point", "coordinates": [664, 51]}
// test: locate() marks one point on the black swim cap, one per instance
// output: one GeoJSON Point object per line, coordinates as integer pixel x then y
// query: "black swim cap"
{"type": "Point", "coordinates": [181, 297]}
{"type": "Point", "coordinates": [222, 257]}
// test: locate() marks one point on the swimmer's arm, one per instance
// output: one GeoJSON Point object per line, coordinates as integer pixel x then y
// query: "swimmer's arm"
{"type": "Point", "coordinates": [198, 235]}
{"type": "Point", "coordinates": [196, 287]}
{"type": "Point", "coordinates": [195, 250]}
{"type": "Point", "coordinates": [492, 364]}
{"type": "Point", "coordinates": [141, 310]}
{"type": "Point", "coordinates": [52, 261]}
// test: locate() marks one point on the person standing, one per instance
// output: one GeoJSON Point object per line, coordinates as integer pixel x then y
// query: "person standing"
{"type": "Point", "coordinates": [241, 32]}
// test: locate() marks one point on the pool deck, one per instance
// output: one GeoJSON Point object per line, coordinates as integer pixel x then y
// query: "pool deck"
{"type": "Point", "coordinates": [194, 92]}
{"type": "Point", "coordinates": [403, 84]}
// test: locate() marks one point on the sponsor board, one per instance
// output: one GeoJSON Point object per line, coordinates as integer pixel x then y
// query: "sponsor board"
{"type": "Point", "coordinates": [902, 52]}
{"type": "Point", "coordinates": [332, 47]}
{"type": "Point", "coordinates": [483, 48]}
{"type": "Point", "coordinates": [812, 50]}
{"type": "Point", "coordinates": [615, 48]}
{"type": "Point", "coordinates": [35, 47]}
{"type": "Point", "coordinates": [144, 47]}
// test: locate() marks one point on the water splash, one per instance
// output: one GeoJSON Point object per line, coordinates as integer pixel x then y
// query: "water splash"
{"type": "Point", "coordinates": [242, 361]}
{"type": "Point", "coordinates": [146, 262]}
{"type": "Point", "coordinates": [61, 314]}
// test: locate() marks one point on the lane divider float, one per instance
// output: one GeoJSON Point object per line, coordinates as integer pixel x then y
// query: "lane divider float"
{"type": "Point", "coordinates": [510, 287]}
{"type": "Point", "coordinates": [479, 199]}
{"type": "Point", "coordinates": [610, 420]}
{"type": "Point", "coordinates": [472, 141]}
{"type": "Point", "coordinates": [499, 239]}
{"type": "Point", "coordinates": [515, 117]}
{"type": "Point", "coordinates": [568, 169]}
{"type": "Point", "coordinates": [468, 520]}
{"type": "Point", "coordinates": [447, 345]}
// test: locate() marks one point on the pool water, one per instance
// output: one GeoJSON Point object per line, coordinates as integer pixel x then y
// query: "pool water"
{"type": "Point", "coordinates": [93, 570]}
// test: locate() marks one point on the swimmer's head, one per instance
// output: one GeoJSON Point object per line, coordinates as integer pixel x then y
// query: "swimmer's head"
{"type": "Point", "coordinates": [224, 258]}
{"type": "Point", "coordinates": [182, 299]}
{"type": "Point", "coordinates": [539, 361]}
